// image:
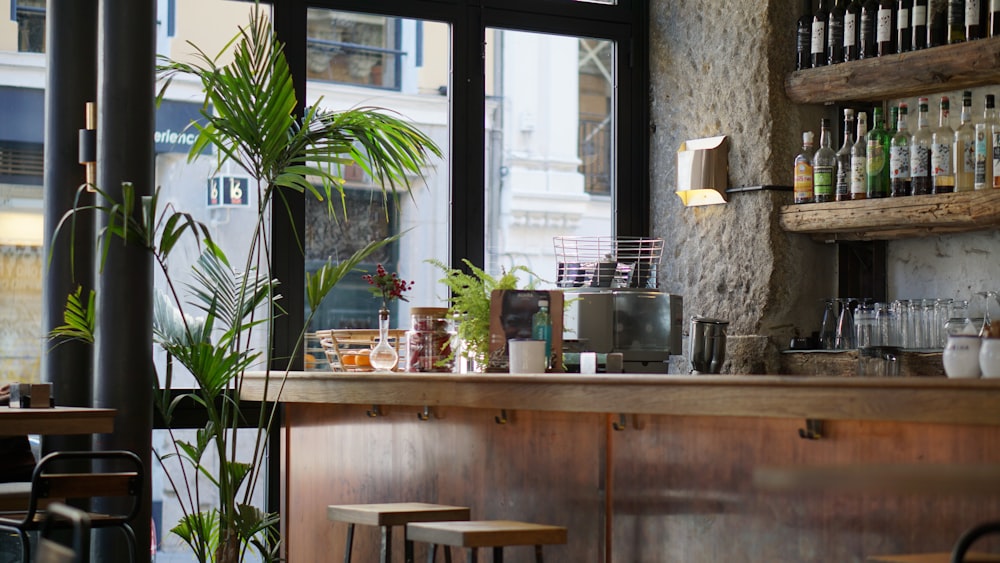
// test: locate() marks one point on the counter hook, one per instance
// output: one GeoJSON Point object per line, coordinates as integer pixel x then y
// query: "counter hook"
{"type": "Point", "coordinates": [813, 430]}
{"type": "Point", "coordinates": [375, 411]}
{"type": "Point", "coordinates": [622, 423]}
{"type": "Point", "coordinates": [426, 414]}
{"type": "Point", "coordinates": [502, 419]}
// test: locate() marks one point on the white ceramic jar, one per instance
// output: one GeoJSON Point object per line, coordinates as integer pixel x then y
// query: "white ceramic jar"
{"type": "Point", "coordinates": [989, 357]}
{"type": "Point", "coordinates": [961, 356]}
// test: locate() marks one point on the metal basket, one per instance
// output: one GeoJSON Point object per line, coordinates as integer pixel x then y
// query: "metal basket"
{"type": "Point", "coordinates": [606, 261]}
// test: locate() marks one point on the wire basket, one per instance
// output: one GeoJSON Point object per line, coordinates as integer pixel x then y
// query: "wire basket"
{"type": "Point", "coordinates": [606, 261]}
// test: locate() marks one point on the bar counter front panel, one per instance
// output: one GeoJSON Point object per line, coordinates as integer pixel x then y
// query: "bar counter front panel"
{"type": "Point", "coordinates": [640, 468]}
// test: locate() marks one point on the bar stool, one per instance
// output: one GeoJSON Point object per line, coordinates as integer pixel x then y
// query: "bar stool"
{"type": "Point", "coordinates": [387, 515]}
{"type": "Point", "coordinates": [485, 533]}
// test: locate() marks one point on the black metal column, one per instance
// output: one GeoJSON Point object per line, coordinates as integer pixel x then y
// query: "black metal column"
{"type": "Point", "coordinates": [124, 368]}
{"type": "Point", "coordinates": [71, 34]}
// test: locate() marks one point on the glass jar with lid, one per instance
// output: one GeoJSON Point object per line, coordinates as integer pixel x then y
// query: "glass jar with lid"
{"type": "Point", "coordinates": [429, 341]}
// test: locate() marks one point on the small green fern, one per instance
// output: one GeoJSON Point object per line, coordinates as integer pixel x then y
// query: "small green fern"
{"type": "Point", "coordinates": [470, 304]}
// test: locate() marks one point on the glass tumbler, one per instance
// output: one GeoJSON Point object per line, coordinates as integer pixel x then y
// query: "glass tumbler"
{"type": "Point", "coordinates": [844, 338]}
{"type": "Point", "coordinates": [865, 327]}
{"type": "Point", "coordinates": [828, 328]}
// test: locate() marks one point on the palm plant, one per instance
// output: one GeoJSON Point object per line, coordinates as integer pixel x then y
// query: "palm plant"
{"type": "Point", "coordinates": [250, 122]}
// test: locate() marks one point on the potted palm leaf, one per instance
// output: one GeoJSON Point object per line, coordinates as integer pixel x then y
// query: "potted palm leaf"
{"type": "Point", "coordinates": [206, 324]}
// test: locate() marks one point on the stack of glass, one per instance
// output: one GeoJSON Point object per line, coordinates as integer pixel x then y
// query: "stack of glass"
{"type": "Point", "coordinates": [850, 323]}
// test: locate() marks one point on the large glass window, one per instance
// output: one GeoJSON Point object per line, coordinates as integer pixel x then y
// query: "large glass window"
{"type": "Point", "coordinates": [30, 16]}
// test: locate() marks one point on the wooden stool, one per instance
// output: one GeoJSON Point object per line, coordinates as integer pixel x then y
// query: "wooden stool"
{"type": "Point", "coordinates": [386, 516]}
{"type": "Point", "coordinates": [486, 533]}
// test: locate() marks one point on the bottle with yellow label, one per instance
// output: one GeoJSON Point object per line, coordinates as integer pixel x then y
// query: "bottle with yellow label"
{"type": "Point", "coordinates": [803, 183]}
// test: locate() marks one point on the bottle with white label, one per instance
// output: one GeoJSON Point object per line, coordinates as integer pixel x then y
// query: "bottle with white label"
{"type": "Point", "coordinates": [859, 160]}
{"type": "Point", "coordinates": [920, 152]}
{"type": "Point", "coordinates": [817, 53]}
{"type": "Point", "coordinates": [842, 188]}
{"type": "Point", "coordinates": [918, 24]}
{"type": "Point", "coordinates": [824, 165]}
{"type": "Point", "coordinates": [942, 147]}
{"type": "Point", "coordinates": [803, 170]}
{"type": "Point", "coordinates": [984, 146]}
{"type": "Point", "coordinates": [965, 148]}
{"type": "Point", "coordinates": [885, 30]}
{"type": "Point", "coordinates": [852, 28]}
{"type": "Point", "coordinates": [899, 157]}
{"type": "Point", "coordinates": [904, 33]}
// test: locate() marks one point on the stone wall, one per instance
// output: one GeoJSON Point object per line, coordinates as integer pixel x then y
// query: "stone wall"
{"type": "Point", "coordinates": [717, 68]}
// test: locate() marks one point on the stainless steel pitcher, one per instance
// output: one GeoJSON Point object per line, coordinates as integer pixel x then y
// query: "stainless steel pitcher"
{"type": "Point", "coordinates": [707, 344]}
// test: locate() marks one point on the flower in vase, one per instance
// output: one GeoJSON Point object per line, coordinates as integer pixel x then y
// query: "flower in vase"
{"type": "Point", "coordinates": [387, 286]}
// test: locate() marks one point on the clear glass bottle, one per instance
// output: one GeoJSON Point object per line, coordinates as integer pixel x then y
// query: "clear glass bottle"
{"type": "Point", "coordinates": [859, 160]}
{"type": "Point", "coordinates": [824, 165]}
{"type": "Point", "coordinates": [878, 157]}
{"type": "Point", "coordinates": [965, 148]}
{"type": "Point", "coordinates": [383, 356]}
{"type": "Point", "coordinates": [541, 328]}
{"type": "Point", "coordinates": [842, 189]}
{"type": "Point", "coordinates": [899, 157]}
{"type": "Point", "coordinates": [984, 146]}
{"type": "Point", "coordinates": [942, 157]}
{"type": "Point", "coordinates": [920, 152]}
{"type": "Point", "coordinates": [803, 167]}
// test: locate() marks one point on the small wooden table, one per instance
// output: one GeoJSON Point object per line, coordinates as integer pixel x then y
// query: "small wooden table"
{"type": "Point", "coordinates": [56, 420]}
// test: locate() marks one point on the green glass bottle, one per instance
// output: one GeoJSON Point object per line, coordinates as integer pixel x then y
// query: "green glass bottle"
{"type": "Point", "coordinates": [877, 153]}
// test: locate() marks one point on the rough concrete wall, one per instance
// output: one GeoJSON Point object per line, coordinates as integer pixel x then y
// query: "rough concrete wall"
{"type": "Point", "coordinates": [718, 68]}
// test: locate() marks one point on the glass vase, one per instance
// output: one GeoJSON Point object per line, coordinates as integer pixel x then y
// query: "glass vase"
{"type": "Point", "coordinates": [383, 356]}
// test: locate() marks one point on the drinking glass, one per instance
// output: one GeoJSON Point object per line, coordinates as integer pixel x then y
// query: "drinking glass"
{"type": "Point", "coordinates": [885, 325]}
{"type": "Point", "coordinates": [903, 330]}
{"type": "Point", "coordinates": [865, 327]}
{"type": "Point", "coordinates": [958, 322]}
{"type": "Point", "coordinates": [942, 312]}
{"type": "Point", "coordinates": [988, 296]}
{"type": "Point", "coordinates": [844, 338]}
{"type": "Point", "coordinates": [828, 330]}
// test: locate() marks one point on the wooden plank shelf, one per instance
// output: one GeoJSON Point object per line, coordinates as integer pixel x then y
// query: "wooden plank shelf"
{"type": "Point", "coordinates": [894, 218]}
{"type": "Point", "coordinates": [917, 73]}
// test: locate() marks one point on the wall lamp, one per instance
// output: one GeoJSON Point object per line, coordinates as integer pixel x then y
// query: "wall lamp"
{"type": "Point", "coordinates": [703, 171]}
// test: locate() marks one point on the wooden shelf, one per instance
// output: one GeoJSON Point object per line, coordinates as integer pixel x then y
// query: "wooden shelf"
{"type": "Point", "coordinates": [918, 73]}
{"type": "Point", "coordinates": [895, 218]}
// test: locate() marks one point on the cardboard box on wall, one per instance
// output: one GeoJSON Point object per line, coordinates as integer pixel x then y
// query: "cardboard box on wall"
{"type": "Point", "coordinates": [510, 317]}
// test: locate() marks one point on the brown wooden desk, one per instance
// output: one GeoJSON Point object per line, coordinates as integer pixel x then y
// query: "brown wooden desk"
{"type": "Point", "coordinates": [56, 420]}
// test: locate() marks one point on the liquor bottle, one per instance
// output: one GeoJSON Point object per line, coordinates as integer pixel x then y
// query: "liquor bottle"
{"type": "Point", "coordinates": [852, 28]}
{"type": "Point", "coordinates": [920, 152]}
{"type": "Point", "coordinates": [803, 184]}
{"type": "Point", "coordinates": [995, 137]}
{"type": "Point", "coordinates": [904, 31]}
{"type": "Point", "coordinates": [975, 19]}
{"type": "Point", "coordinates": [877, 184]}
{"type": "Point", "coordinates": [824, 165]}
{"type": "Point", "coordinates": [956, 21]}
{"type": "Point", "coordinates": [984, 146]}
{"type": "Point", "coordinates": [918, 24]}
{"type": "Point", "coordinates": [843, 186]}
{"type": "Point", "coordinates": [942, 159]}
{"type": "Point", "coordinates": [817, 54]}
{"type": "Point", "coordinates": [541, 328]}
{"type": "Point", "coordinates": [937, 22]}
{"type": "Point", "coordinates": [965, 148]}
{"type": "Point", "coordinates": [993, 17]}
{"type": "Point", "coordinates": [835, 33]}
{"type": "Point", "coordinates": [890, 125]}
{"type": "Point", "coordinates": [859, 160]}
{"type": "Point", "coordinates": [885, 31]}
{"type": "Point", "coordinates": [899, 157]}
{"type": "Point", "coordinates": [803, 36]}
{"type": "Point", "coordinates": [866, 34]}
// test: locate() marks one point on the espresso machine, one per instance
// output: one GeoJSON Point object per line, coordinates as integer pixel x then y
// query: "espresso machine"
{"type": "Point", "coordinates": [614, 305]}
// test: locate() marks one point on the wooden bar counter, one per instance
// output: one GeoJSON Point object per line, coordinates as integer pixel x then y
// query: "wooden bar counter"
{"type": "Point", "coordinates": [640, 468]}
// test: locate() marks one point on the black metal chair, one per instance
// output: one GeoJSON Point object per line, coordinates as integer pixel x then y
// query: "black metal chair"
{"type": "Point", "coordinates": [50, 550]}
{"type": "Point", "coordinates": [970, 537]}
{"type": "Point", "coordinates": [65, 476]}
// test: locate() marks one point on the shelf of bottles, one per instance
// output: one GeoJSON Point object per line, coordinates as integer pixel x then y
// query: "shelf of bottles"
{"type": "Point", "coordinates": [948, 45]}
{"type": "Point", "coordinates": [895, 217]}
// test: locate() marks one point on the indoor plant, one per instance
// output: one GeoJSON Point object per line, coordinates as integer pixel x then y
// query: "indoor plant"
{"type": "Point", "coordinates": [250, 121]}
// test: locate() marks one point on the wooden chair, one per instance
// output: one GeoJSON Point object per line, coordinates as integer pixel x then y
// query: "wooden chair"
{"type": "Point", "coordinates": [70, 475]}
{"type": "Point", "coordinates": [49, 550]}
{"type": "Point", "coordinates": [387, 515]}
{"type": "Point", "coordinates": [338, 343]}
{"type": "Point", "coordinates": [495, 534]}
